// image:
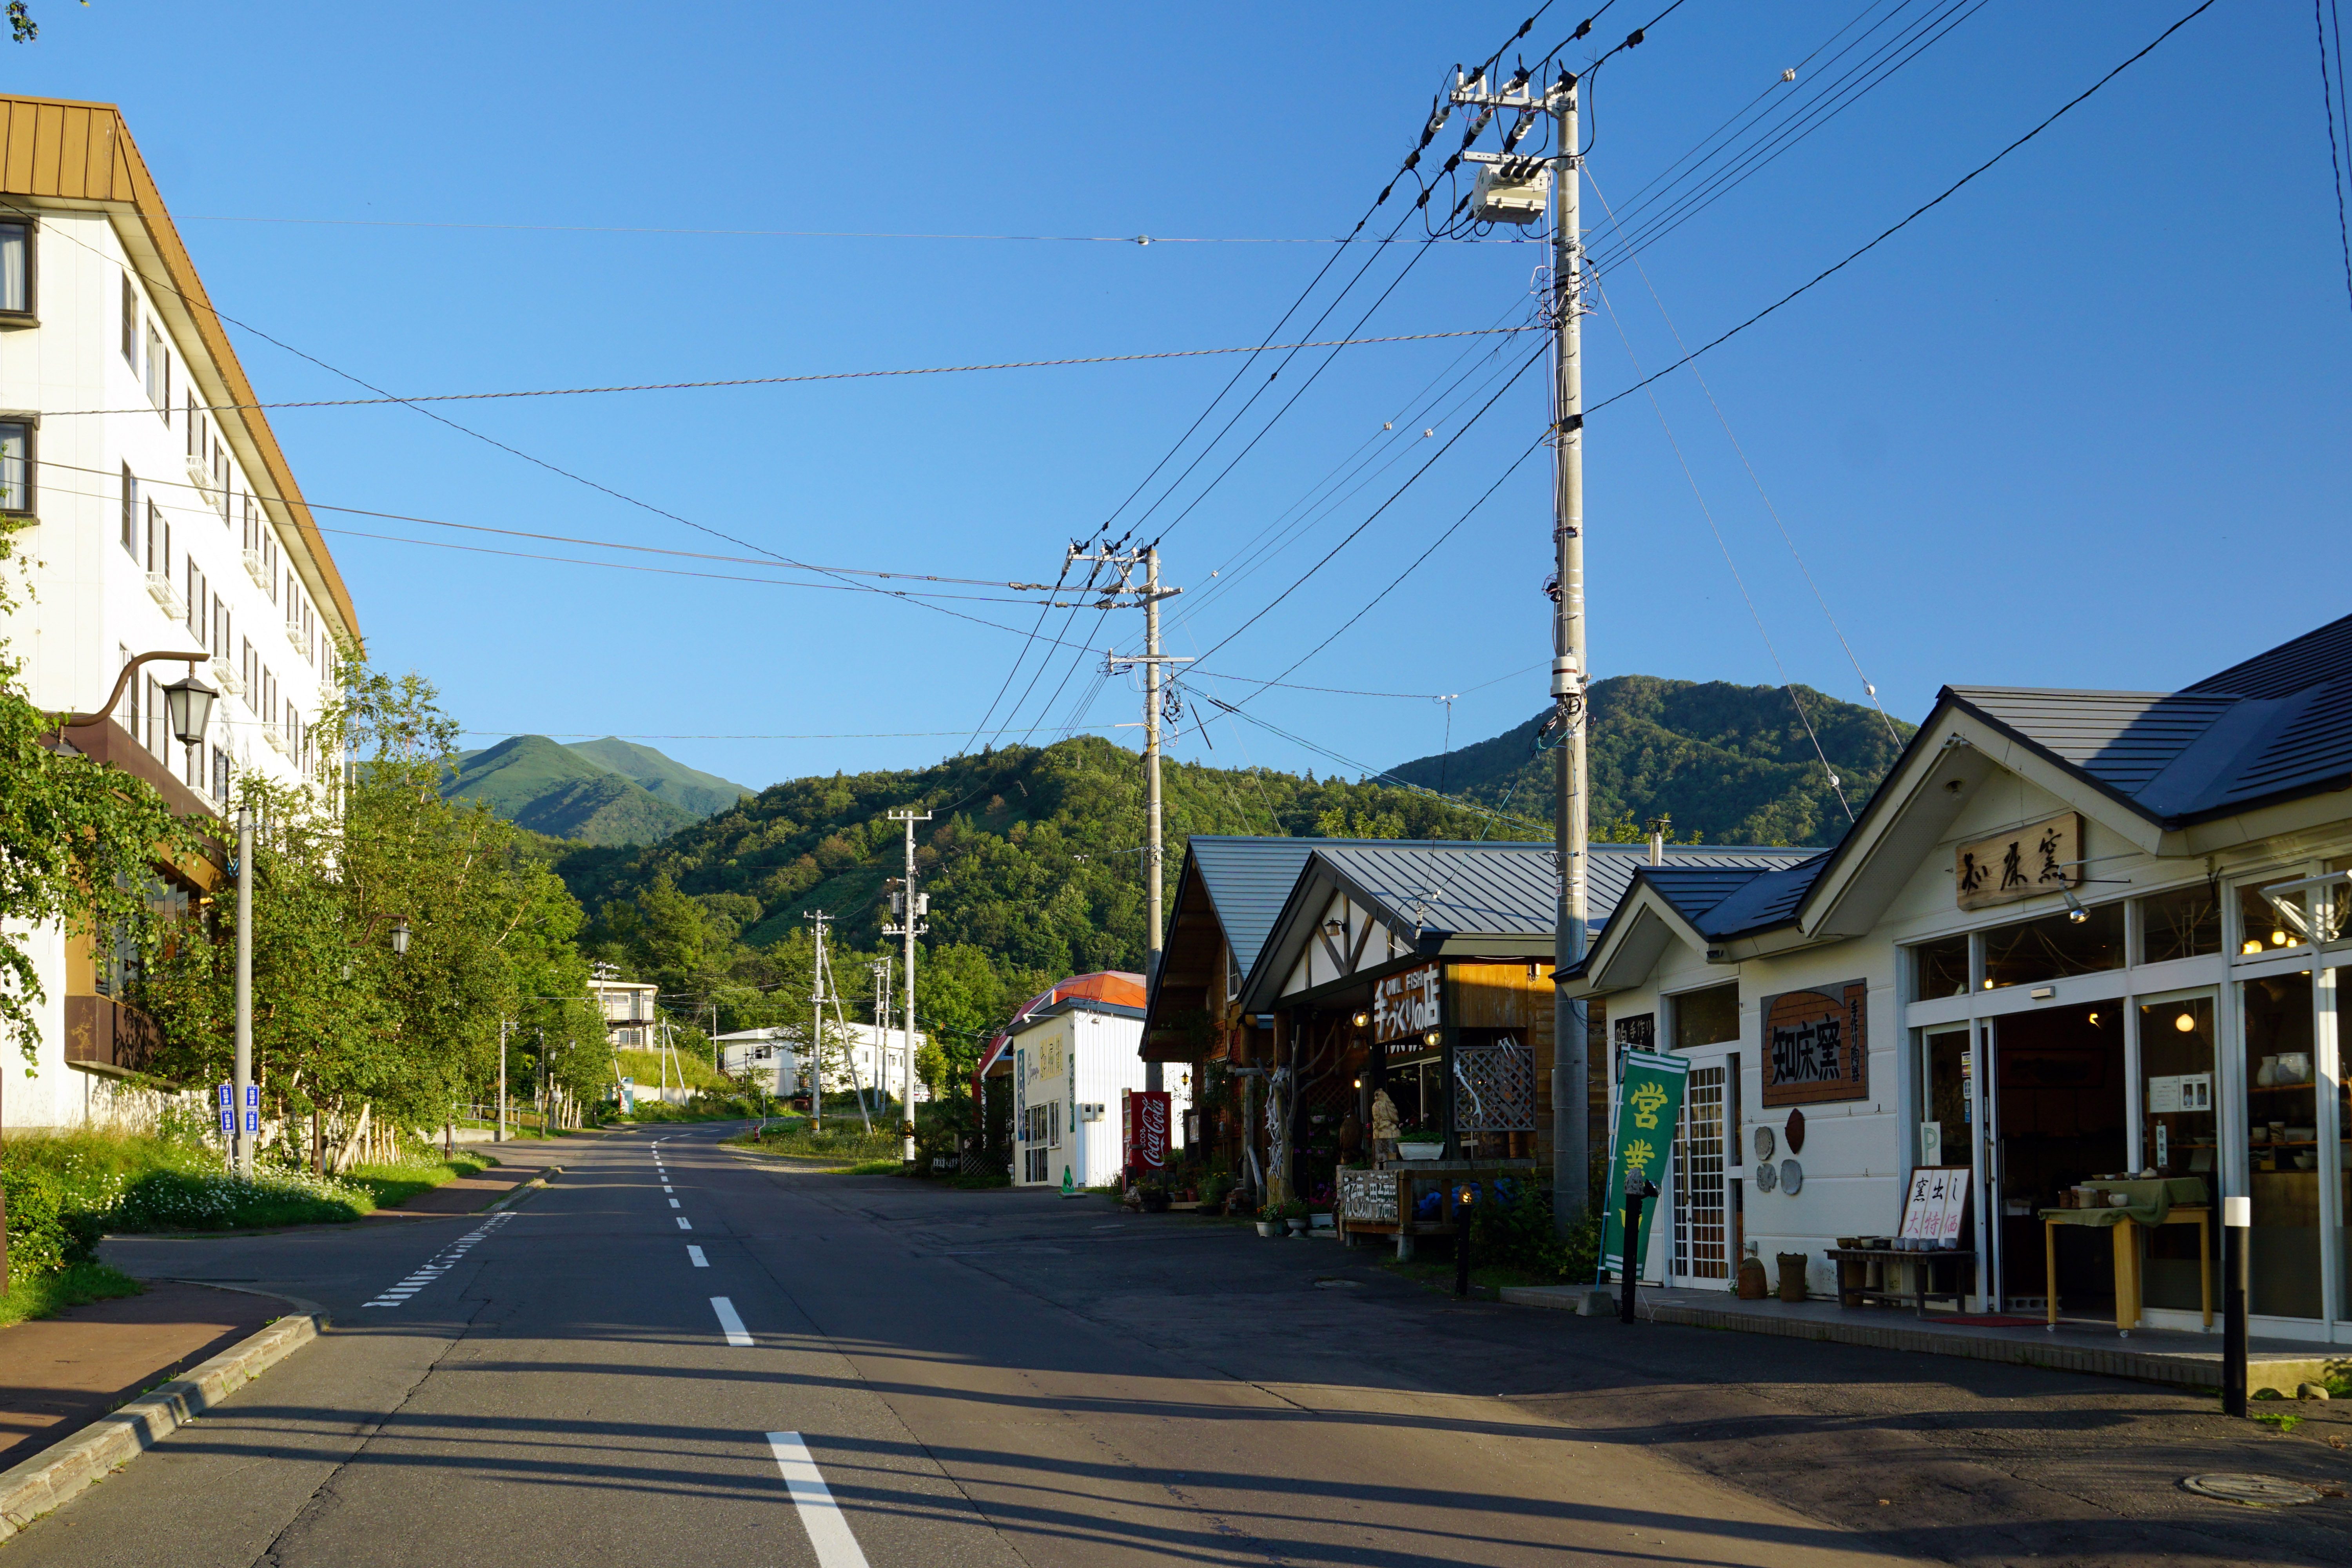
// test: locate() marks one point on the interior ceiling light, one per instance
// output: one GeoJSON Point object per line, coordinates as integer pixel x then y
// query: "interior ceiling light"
{"type": "Point", "coordinates": [2186, 1023]}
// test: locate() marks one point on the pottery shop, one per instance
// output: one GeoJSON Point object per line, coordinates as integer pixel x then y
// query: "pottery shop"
{"type": "Point", "coordinates": [1066, 1059]}
{"type": "Point", "coordinates": [2078, 964]}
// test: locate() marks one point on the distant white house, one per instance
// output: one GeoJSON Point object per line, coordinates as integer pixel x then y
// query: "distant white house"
{"type": "Point", "coordinates": [873, 1057]}
{"type": "Point", "coordinates": [627, 1006]}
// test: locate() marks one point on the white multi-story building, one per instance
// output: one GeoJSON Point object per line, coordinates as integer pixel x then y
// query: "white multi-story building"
{"type": "Point", "coordinates": [869, 1056]}
{"type": "Point", "coordinates": [152, 512]}
{"type": "Point", "coordinates": [630, 1008]}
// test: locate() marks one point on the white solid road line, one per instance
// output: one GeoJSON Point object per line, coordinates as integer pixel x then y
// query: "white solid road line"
{"type": "Point", "coordinates": [683, 1222]}
{"type": "Point", "coordinates": [699, 1261]}
{"type": "Point", "coordinates": [820, 1515]}
{"type": "Point", "coordinates": [730, 1320]}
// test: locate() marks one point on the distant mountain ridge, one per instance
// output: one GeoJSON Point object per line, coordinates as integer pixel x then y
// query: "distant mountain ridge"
{"type": "Point", "coordinates": [1731, 764]}
{"type": "Point", "coordinates": [607, 792]}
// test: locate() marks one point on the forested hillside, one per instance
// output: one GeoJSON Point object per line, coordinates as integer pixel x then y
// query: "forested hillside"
{"type": "Point", "coordinates": [1032, 860]}
{"type": "Point", "coordinates": [1731, 765]}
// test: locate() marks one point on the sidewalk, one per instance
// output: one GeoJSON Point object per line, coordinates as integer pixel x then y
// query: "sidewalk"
{"type": "Point", "coordinates": [2187, 1359]}
{"type": "Point", "coordinates": [65, 1371]}
{"type": "Point", "coordinates": [519, 1162]}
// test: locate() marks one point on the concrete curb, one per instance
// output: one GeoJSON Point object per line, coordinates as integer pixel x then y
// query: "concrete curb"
{"type": "Point", "coordinates": [524, 1191]}
{"type": "Point", "coordinates": [50, 1480]}
{"type": "Point", "coordinates": [2279, 1372]}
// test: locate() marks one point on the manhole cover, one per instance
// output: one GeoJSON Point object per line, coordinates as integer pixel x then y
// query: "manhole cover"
{"type": "Point", "coordinates": [2251, 1489]}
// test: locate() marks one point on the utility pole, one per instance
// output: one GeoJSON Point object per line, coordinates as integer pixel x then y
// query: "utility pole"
{"type": "Point", "coordinates": [1570, 672]}
{"type": "Point", "coordinates": [1571, 668]}
{"type": "Point", "coordinates": [241, 1141]}
{"type": "Point", "coordinates": [817, 1026]}
{"type": "Point", "coordinates": [910, 907]}
{"type": "Point", "coordinates": [881, 968]}
{"type": "Point", "coordinates": [1154, 851]}
{"type": "Point", "coordinates": [502, 1081]}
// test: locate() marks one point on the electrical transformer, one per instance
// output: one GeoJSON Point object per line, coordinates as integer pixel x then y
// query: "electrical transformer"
{"type": "Point", "coordinates": [1518, 191]}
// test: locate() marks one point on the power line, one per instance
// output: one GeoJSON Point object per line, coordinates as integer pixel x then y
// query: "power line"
{"type": "Point", "coordinates": [218, 408]}
{"type": "Point", "coordinates": [1642, 273]}
{"type": "Point", "coordinates": [1905, 222]}
{"type": "Point", "coordinates": [1135, 239]}
{"type": "Point", "coordinates": [2327, 96]}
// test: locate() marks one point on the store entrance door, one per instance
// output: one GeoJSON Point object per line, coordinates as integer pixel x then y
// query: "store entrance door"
{"type": "Point", "coordinates": [1702, 1239]}
{"type": "Point", "coordinates": [2058, 1098]}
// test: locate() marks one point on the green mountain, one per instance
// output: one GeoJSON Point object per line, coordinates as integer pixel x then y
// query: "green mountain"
{"type": "Point", "coordinates": [704, 795]}
{"type": "Point", "coordinates": [1731, 765]}
{"type": "Point", "coordinates": [533, 783]}
{"type": "Point", "coordinates": [1031, 856]}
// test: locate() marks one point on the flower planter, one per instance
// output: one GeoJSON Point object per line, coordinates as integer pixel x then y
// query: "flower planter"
{"type": "Point", "coordinates": [1297, 1227]}
{"type": "Point", "coordinates": [1269, 1227]}
{"type": "Point", "coordinates": [1415, 1149]}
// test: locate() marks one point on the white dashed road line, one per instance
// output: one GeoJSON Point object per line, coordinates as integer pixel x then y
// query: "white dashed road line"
{"type": "Point", "coordinates": [699, 1261]}
{"type": "Point", "coordinates": [730, 1320]}
{"type": "Point", "coordinates": [683, 1222]}
{"type": "Point", "coordinates": [820, 1515]}
{"type": "Point", "coordinates": [440, 1264]}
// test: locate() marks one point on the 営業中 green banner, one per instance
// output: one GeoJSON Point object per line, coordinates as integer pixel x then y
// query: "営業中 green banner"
{"type": "Point", "coordinates": [1649, 1104]}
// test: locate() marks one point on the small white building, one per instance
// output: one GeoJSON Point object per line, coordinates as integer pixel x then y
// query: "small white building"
{"type": "Point", "coordinates": [1070, 1053]}
{"type": "Point", "coordinates": [628, 1007]}
{"type": "Point", "coordinates": [869, 1057]}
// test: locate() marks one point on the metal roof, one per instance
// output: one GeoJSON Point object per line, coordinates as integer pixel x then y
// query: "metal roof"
{"type": "Point", "coordinates": [1246, 880]}
{"type": "Point", "coordinates": [2275, 727]}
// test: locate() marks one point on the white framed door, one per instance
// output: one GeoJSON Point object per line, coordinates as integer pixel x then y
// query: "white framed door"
{"type": "Point", "coordinates": [1699, 1253]}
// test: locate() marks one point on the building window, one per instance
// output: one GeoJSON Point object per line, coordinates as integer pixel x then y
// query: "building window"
{"type": "Point", "coordinates": [159, 539]}
{"type": "Point", "coordinates": [16, 466]}
{"type": "Point", "coordinates": [2054, 947]}
{"type": "Point", "coordinates": [129, 514]}
{"type": "Point", "coordinates": [130, 710]}
{"type": "Point", "coordinates": [2183, 923]}
{"type": "Point", "coordinates": [2262, 927]}
{"type": "Point", "coordinates": [1706, 1017]}
{"type": "Point", "coordinates": [130, 324]}
{"type": "Point", "coordinates": [195, 427]}
{"type": "Point", "coordinates": [220, 642]}
{"type": "Point", "coordinates": [220, 775]}
{"type": "Point", "coordinates": [16, 269]}
{"type": "Point", "coordinates": [195, 601]}
{"type": "Point", "coordinates": [158, 374]}
{"type": "Point", "coordinates": [1940, 968]}
{"type": "Point", "coordinates": [249, 668]}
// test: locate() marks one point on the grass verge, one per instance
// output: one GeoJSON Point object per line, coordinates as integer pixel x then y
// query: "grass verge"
{"type": "Point", "coordinates": [44, 1294]}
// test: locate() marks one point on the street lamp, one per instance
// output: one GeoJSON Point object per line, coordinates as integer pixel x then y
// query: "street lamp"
{"type": "Point", "coordinates": [189, 703]}
{"type": "Point", "coordinates": [400, 939]}
{"type": "Point", "coordinates": [1463, 1197]}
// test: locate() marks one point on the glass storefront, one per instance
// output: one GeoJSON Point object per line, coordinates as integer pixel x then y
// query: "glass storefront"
{"type": "Point", "coordinates": [2179, 1136]}
{"type": "Point", "coordinates": [2283, 1146]}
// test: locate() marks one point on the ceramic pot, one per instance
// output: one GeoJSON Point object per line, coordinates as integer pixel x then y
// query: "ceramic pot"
{"type": "Point", "coordinates": [2293, 1067]}
{"type": "Point", "coordinates": [1297, 1227]}
{"type": "Point", "coordinates": [1792, 1275]}
{"type": "Point", "coordinates": [1753, 1285]}
{"type": "Point", "coordinates": [2266, 1075]}
{"type": "Point", "coordinates": [1269, 1227]}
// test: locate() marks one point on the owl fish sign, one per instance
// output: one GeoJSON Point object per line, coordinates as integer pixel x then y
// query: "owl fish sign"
{"type": "Point", "coordinates": [1649, 1107]}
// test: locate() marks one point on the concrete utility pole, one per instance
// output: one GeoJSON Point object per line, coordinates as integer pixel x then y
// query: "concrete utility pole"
{"type": "Point", "coordinates": [242, 1075]}
{"type": "Point", "coordinates": [910, 907]}
{"type": "Point", "coordinates": [817, 1026]}
{"type": "Point", "coordinates": [1154, 849]}
{"type": "Point", "coordinates": [502, 1081]}
{"type": "Point", "coordinates": [1571, 668]}
{"type": "Point", "coordinates": [1571, 673]}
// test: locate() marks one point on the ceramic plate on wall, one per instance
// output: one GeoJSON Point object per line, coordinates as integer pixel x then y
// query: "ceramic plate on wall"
{"type": "Point", "coordinates": [1792, 1176]}
{"type": "Point", "coordinates": [1764, 1145]}
{"type": "Point", "coordinates": [1766, 1178]}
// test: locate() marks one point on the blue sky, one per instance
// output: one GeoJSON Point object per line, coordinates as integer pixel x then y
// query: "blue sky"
{"type": "Point", "coordinates": [2083, 424]}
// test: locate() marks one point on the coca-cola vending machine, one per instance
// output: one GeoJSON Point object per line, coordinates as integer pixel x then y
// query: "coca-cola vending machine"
{"type": "Point", "coordinates": [1143, 1129]}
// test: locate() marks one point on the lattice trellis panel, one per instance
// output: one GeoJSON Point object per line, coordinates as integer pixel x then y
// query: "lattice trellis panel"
{"type": "Point", "coordinates": [1498, 1087]}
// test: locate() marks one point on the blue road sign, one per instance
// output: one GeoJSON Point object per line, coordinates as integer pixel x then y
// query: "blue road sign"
{"type": "Point", "coordinates": [227, 1095]}
{"type": "Point", "coordinates": [252, 1094]}
{"type": "Point", "coordinates": [253, 1122]}
{"type": "Point", "coordinates": [228, 1120]}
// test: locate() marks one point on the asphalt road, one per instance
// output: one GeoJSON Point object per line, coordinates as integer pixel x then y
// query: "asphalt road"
{"type": "Point", "coordinates": [901, 1375]}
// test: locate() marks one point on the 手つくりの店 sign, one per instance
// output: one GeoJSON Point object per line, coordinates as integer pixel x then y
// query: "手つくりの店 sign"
{"type": "Point", "coordinates": [2039, 857]}
{"type": "Point", "coordinates": [1815, 1046]}
{"type": "Point", "coordinates": [1404, 1006]}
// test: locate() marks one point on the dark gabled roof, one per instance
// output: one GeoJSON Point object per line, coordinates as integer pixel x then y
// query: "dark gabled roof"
{"type": "Point", "coordinates": [1485, 889]}
{"type": "Point", "coordinates": [2274, 728]}
{"type": "Point", "coordinates": [1246, 880]}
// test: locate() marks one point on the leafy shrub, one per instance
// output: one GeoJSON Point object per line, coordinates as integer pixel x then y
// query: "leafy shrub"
{"type": "Point", "coordinates": [1511, 1226]}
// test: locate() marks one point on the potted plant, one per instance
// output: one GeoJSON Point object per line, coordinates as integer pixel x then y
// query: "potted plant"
{"type": "Point", "coordinates": [1153, 1195]}
{"type": "Point", "coordinates": [1294, 1214]}
{"type": "Point", "coordinates": [1269, 1219]}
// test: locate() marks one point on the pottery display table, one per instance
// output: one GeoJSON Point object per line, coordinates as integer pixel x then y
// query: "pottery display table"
{"type": "Point", "coordinates": [1854, 1288]}
{"type": "Point", "coordinates": [2176, 1200]}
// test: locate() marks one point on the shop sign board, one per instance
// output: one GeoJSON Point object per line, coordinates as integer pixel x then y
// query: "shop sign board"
{"type": "Point", "coordinates": [1649, 1108]}
{"type": "Point", "coordinates": [2023, 863]}
{"type": "Point", "coordinates": [1404, 1006]}
{"type": "Point", "coordinates": [1816, 1046]}
{"type": "Point", "coordinates": [1933, 1206]}
{"type": "Point", "coordinates": [1143, 1129]}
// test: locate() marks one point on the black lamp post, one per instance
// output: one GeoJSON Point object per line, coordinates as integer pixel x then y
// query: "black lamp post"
{"type": "Point", "coordinates": [1464, 1196]}
{"type": "Point", "coordinates": [188, 703]}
